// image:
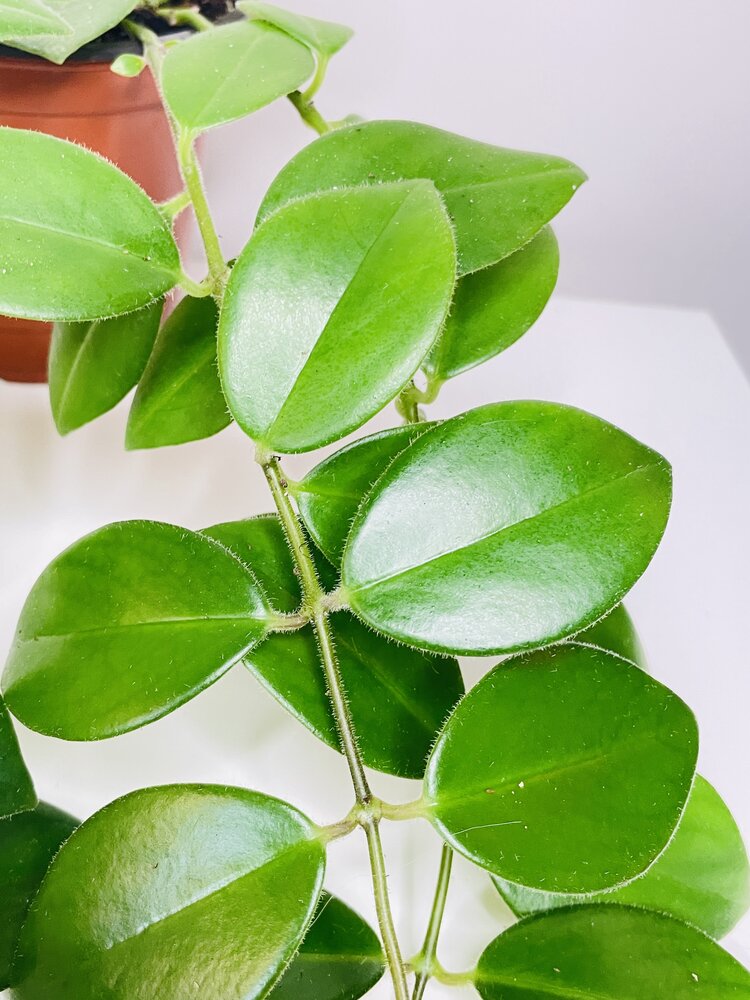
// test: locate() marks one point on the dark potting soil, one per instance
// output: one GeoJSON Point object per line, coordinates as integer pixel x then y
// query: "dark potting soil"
{"type": "Point", "coordinates": [212, 9]}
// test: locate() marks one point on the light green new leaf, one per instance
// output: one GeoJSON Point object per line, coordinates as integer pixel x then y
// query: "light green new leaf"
{"type": "Point", "coordinates": [325, 37]}
{"type": "Point", "coordinates": [398, 696]}
{"type": "Point", "coordinates": [232, 71]}
{"type": "Point", "coordinates": [494, 307]}
{"type": "Point", "coordinates": [126, 625]}
{"type": "Point", "coordinates": [615, 633]}
{"type": "Point", "coordinates": [565, 770]}
{"type": "Point", "coordinates": [28, 843]}
{"type": "Point", "coordinates": [330, 494]}
{"type": "Point", "coordinates": [176, 893]}
{"type": "Point", "coordinates": [540, 518]}
{"type": "Point", "coordinates": [79, 240]}
{"type": "Point", "coordinates": [340, 958]}
{"type": "Point", "coordinates": [179, 397]}
{"type": "Point", "coordinates": [330, 310]}
{"type": "Point", "coordinates": [498, 199]}
{"type": "Point", "coordinates": [16, 788]}
{"type": "Point", "coordinates": [55, 29]}
{"type": "Point", "coordinates": [92, 366]}
{"type": "Point", "coordinates": [608, 953]}
{"type": "Point", "coordinates": [702, 877]}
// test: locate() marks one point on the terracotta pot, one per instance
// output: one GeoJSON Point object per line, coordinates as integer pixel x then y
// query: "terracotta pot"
{"type": "Point", "coordinates": [85, 102]}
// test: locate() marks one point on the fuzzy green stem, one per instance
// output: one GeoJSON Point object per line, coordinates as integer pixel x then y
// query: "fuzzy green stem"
{"type": "Point", "coordinates": [317, 80]}
{"type": "Point", "coordinates": [309, 113]}
{"type": "Point", "coordinates": [368, 811]}
{"type": "Point", "coordinates": [189, 17]}
{"type": "Point", "coordinates": [191, 173]}
{"type": "Point", "coordinates": [428, 954]}
{"type": "Point", "coordinates": [173, 206]}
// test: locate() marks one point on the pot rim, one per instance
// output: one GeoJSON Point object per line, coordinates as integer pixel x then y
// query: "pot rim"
{"type": "Point", "coordinates": [97, 51]}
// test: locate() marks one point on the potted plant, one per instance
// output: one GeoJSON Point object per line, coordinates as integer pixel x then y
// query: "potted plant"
{"type": "Point", "coordinates": [55, 77]}
{"type": "Point", "coordinates": [387, 257]}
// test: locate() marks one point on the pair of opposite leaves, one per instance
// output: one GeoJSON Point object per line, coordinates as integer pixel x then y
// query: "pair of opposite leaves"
{"type": "Point", "coordinates": [57, 262]}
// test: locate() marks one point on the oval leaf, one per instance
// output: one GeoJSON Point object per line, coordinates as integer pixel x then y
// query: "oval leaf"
{"type": "Point", "coordinates": [178, 892]}
{"type": "Point", "coordinates": [16, 788]}
{"type": "Point", "coordinates": [324, 37]}
{"type": "Point", "coordinates": [92, 366]}
{"type": "Point", "coordinates": [608, 953]}
{"type": "Point", "coordinates": [494, 307]}
{"type": "Point", "coordinates": [702, 877]}
{"type": "Point", "coordinates": [340, 958]}
{"type": "Point", "coordinates": [55, 29]}
{"type": "Point", "coordinates": [329, 495]}
{"type": "Point", "coordinates": [220, 75]}
{"type": "Point", "coordinates": [615, 633]}
{"type": "Point", "coordinates": [498, 199]}
{"type": "Point", "coordinates": [126, 625]}
{"type": "Point", "coordinates": [330, 310]}
{"type": "Point", "coordinates": [414, 692]}
{"type": "Point", "coordinates": [179, 398]}
{"type": "Point", "coordinates": [507, 527]}
{"type": "Point", "coordinates": [565, 770]}
{"type": "Point", "coordinates": [79, 240]}
{"type": "Point", "coordinates": [28, 843]}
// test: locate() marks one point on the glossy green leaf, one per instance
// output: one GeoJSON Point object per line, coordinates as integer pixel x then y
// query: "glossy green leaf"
{"type": "Point", "coordinates": [179, 397]}
{"type": "Point", "coordinates": [508, 527]}
{"type": "Point", "coordinates": [176, 893]}
{"type": "Point", "coordinates": [126, 625]}
{"type": "Point", "coordinates": [55, 29]}
{"type": "Point", "coordinates": [325, 37]}
{"type": "Point", "coordinates": [608, 953]}
{"type": "Point", "coordinates": [615, 633]}
{"type": "Point", "coordinates": [398, 696]}
{"type": "Point", "coordinates": [79, 240]}
{"type": "Point", "coordinates": [232, 71]}
{"type": "Point", "coordinates": [494, 307]}
{"type": "Point", "coordinates": [92, 366]}
{"type": "Point", "coordinates": [498, 199]}
{"type": "Point", "coordinates": [330, 310]}
{"type": "Point", "coordinates": [28, 843]}
{"type": "Point", "coordinates": [566, 770]}
{"type": "Point", "coordinates": [702, 877]}
{"type": "Point", "coordinates": [340, 958]}
{"type": "Point", "coordinates": [330, 494]}
{"type": "Point", "coordinates": [16, 788]}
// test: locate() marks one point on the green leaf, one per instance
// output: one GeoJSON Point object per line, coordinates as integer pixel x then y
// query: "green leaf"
{"type": "Point", "coordinates": [126, 625]}
{"type": "Point", "coordinates": [79, 240]}
{"type": "Point", "coordinates": [608, 953]}
{"type": "Point", "coordinates": [325, 37]}
{"type": "Point", "coordinates": [92, 366]}
{"type": "Point", "coordinates": [498, 199]}
{"type": "Point", "coordinates": [330, 310]}
{"type": "Point", "coordinates": [565, 770]}
{"type": "Point", "coordinates": [179, 398]}
{"type": "Point", "coordinates": [176, 893]}
{"type": "Point", "coordinates": [329, 495]}
{"type": "Point", "coordinates": [16, 788]}
{"type": "Point", "coordinates": [413, 692]}
{"type": "Point", "coordinates": [55, 29]}
{"type": "Point", "coordinates": [615, 633]}
{"type": "Point", "coordinates": [494, 307]}
{"type": "Point", "coordinates": [508, 527]}
{"type": "Point", "coordinates": [28, 843]}
{"type": "Point", "coordinates": [232, 71]}
{"type": "Point", "coordinates": [702, 877]}
{"type": "Point", "coordinates": [340, 958]}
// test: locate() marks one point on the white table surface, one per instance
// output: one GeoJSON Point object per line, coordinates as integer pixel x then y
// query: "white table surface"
{"type": "Point", "coordinates": [664, 375]}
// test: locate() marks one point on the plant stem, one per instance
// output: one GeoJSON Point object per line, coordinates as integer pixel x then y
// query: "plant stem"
{"type": "Point", "coordinates": [190, 17]}
{"type": "Point", "coordinates": [368, 813]}
{"type": "Point", "coordinates": [429, 948]}
{"type": "Point", "coordinates": [192, 176]}
{"type": "Point", "coordinates": [309, 113]}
